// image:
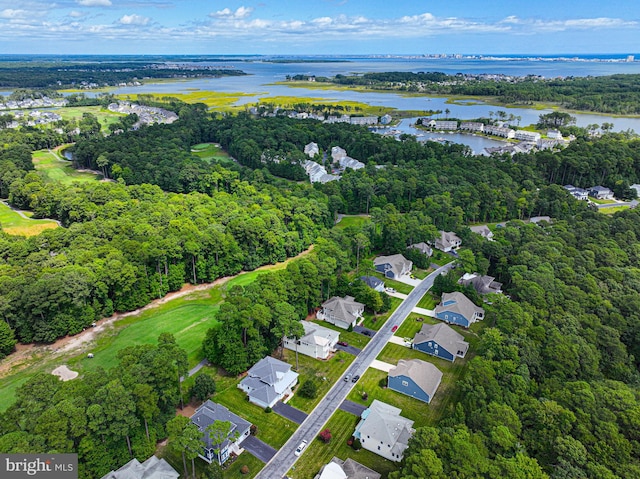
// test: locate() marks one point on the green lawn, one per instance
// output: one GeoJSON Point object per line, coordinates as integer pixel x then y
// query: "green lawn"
{"type": "Point", "coordinates": [211, 152]}
{"type": "Point", "coordinates": [421, 273]}
{"type": "Point", "coordinates": [390, 283]}
{"type": "Point", "coordinates": [324, 373]}
{"type": "Point", "coordinates": [341, 424]}
{"type": "Point", "coordinates": [354, 339]}
{"type": "Point", "coordinates": [245, 459]}
{"type": "Point", "coordinates": [428, 301]}
{"type": "Point", "coordinates": [272, 428]}
{"type": "Point", "coordinates": [411, 326]}
{"type": "Point", "coordinates": [601, 202]}
{"type": "Point", "coordinates": [355, 220]}
{"type": "Point", "coordinates": [376, 322]}
{"type": "Point", "coordinates": [441, 258]}
{"type": "Point", "coordinates": [613, 209]}
{"type": "Point", "coordinates": [14, 224]}
{"type": "Point", "coordinates": [105, 117]}
{"type": "Point", "coordinates": [57, 170]}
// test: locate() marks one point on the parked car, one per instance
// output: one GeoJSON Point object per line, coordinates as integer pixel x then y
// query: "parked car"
{"type": "Point", "coordinates": [347, 378]}
{"type": "Point", "coordinates": [301, 447]}
{"type": "Point", "coordinates": [394, 329]}
{"type": "Point", "coordinates": [343, 343]}
{"type": "Point", "coordinates": [355, 378]}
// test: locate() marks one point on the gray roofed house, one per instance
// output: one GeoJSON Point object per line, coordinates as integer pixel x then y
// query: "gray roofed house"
{"type": "Point", "coordinates": [482, 284]}
{"type": "Point", "coordinates": [207, 414]}
{"type": "Point", "coordinates": [373, 282]}
{"type": "Point", "coordinates": [383, 431]}
{"type": "Point", "coordinates": [416, 378]}
{"type": "Point", "coordinates": [482, 230]}
{"type": "Point", "coordinates": [317, 341]}
{"type": "Point", "coordinates": [456, 308]}
{"type": "Point", "coordinates": [152, 468]}
{"type": "Point", "coordinates": [600, 192]}
{"type": "Point", "coordinates": [440, 340]}
{"type": "Point", "coordinates": [447, 241]}
{"type": "Point", "coordinates": [538, 219]}
{"type": "Point", "coordinates": [342, 312]}
{"type": "Point", "coordinates": [424, 248]}
{"type": "Point", "coordinates": [636, 187]}
{"type": "Point", "coordinates": [393, 266]}
{"type": "Point", "coordinates": [348, 469]}
{"type": "Point", "coordinates": [268, 381]}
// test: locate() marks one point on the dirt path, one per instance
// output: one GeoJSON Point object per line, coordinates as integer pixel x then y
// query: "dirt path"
{"type": "Point", "coordinates": [68, 344]}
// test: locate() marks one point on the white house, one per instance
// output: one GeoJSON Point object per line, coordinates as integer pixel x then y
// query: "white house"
{"type": "Point", "coordinates": [499, 131]}
{"type": "Point", "coordinates": [525, 135]}
{"type": "Point", "coordinates": [219, 449]}
{"type": "Point", "coordinates": [636, 187]}
{"type": "Point", "coordinates": [447, 241]}
{"type": "Point", "coordinates": [383, 431]}
{"type": "Point", "coordinates": [338, 153]}
{"type": "Point", "coordinates": [482, 230]}
{"type": "Point", "coordinates": [152, 468]}
{"type": "Point", "coordinates": [317, 341]}
{"type": "Point", "coordinates": [268, 382]}
{"type": "Point", "coordinates": [342, 312]}
{"type": "Point", "coordinates": [443, 124]}
{"type": "Point", "coordinates": [347, 469]}
{"type": "Point", "coordinates": [364, 120]}
{"type": "Point", "coordinates": [311, 149]}
{"type": "Point", "coordinates": [472, 126]}
{"type": "Point", "coordinates": [577, 193]}
{"type": "Point", "coordinates": [554, 135]}
{"type": "Point", "coordinates": [601, 193]}
{"type": "Point", "coordinates": [424, 248]}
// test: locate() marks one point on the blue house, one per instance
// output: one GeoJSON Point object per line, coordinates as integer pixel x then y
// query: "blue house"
{"type": "Point", "coordinates": [456, 308]}
{"type": "Point", "coordinates": [416, 378]}
{"type": "Point", "coordinates": [393, 266]}
{"type": "Point", "coordinates": [440, 340]}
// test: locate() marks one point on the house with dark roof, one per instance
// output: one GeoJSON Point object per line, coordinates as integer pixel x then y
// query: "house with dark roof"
{"type": "Point", "coordinates": [447, 241]}
{"type": "Point", "coordinates": [416, 378]}
{"type": "Point", "coordinates": [348, 469]}
{"type": "Point", "coordinates": [383, 431]}
{"type": "Point", "coordinates": [393, 266]}
{"type": "Point", "coordinates": [342, 312]}
{"type": "Point", "coordinates": [424, 248]}
{"type": "Point", "coordinates": [600, 193]}
{"type": "Point", "coordinates": [214, 450]}
{"type": "Point", "coordinates": [373, 283]}
{"type": "Point", "coordinates": [268, 382]}
{"type": "Point", "coordinates": [440, 340]}
{"type": "Point", "coordinates": [152, 468]}
{"type": "Point", "coordinates": [456, 308]}
{"type": "Point", "coordinates": [482, 284]}
{"type": "Point", "coordinates": [577, 193]}
{"type": "Point", "coordinates": [317, 341]}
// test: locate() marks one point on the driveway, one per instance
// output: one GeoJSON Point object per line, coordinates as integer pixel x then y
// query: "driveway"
{"type": "Point", "coordinates": [425, 312]}
{"type": "Point", "coordinates": [366, 331]}
{"type": "Point", "coordinates": [349, 349]}
{"type": "Point", "coordinates": [291, 413]}
{"type": "Point", "coordinates": [397, 295]}
{"type": "Point", "coordinates": [381, 366]}
{"type": "Point", "coordinates": [407, 279]}
{"type": "Point", "coordinates": [259, 449]}
{"type": "Point", "coordinates": [399, 341]}
{"type": "Point", "coordinates": [352, 407]}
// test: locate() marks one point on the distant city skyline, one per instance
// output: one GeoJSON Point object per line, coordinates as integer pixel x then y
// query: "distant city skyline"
{"type": "Point", "coordinates": [328, 27]}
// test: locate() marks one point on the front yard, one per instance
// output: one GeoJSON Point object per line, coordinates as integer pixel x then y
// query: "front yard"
{"type": "Point", "coordinates": [376, 322]}
{"type": "Point", "coordinates": [342, 425]}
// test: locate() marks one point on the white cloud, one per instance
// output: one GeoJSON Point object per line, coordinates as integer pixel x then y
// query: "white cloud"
{"type": "Point", "coordinates": [94, 3]}
{"type": "Point", "coordinates": [77, 14]}
{"type": "Point", "coordinates": [133, 20]}
{"type": "Point", "coordinates": [240, 13]}
{"type": "Point", "coordinates": [13, 14]}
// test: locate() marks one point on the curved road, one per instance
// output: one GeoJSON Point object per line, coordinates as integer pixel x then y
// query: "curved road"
{"type": "Point", "coordinates": [311, 427]}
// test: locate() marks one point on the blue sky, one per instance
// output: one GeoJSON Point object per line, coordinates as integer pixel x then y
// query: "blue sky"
{"type": "Point", "coordinates": [319, 26]}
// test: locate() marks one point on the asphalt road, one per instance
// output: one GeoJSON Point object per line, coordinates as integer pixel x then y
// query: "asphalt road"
{"type": "Point", "coordinates": [284, 459]}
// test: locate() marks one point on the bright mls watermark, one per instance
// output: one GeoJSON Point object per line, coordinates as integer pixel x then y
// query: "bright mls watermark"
{"type": "Point", "coordinates": [39, 466]}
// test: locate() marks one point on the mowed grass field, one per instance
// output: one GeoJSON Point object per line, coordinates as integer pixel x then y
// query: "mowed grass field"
{"type": "Point", "coordinates": [57, 170]}
{"type": "Point", "coordinates": [104, 116]}
{"type": "Point", "coordinates": [211, 152]}
{"type": "Point", "coordinates": [341, 424]}
{"type": "Point", "coordinates": [355, 220]}
{"type": "Point", "coordinates": [14, 224]}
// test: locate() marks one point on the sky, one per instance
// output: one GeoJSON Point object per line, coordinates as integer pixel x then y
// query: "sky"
{"type": "Point", "coordinates": [305, 27]}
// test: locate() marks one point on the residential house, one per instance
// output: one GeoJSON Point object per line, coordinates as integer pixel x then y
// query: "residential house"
{"type": "Point", "coordinates": [317, 173]}
{"type": "Point", "coordinates": [348, 469]}
{"type": "Point", "coordinates": [219, 451]}
{"type": "Point", "coordinates": [440, 340]}
{"type": "Point", "coordinates": [416, 378]}
{"type": "Point", "coordinates": [554, 135]}
{"type": "Point", "coordinates": [456, 308]}
{"type": "Point", "coordinates": [443, 124]}
{"type": "Point", "coordinates": [342, 312]}
{"type": "Point", "coordinates": [424, 248]}
{"type": "Point", "coordinates": [348, 162]}
{"type": "Point", "coordinates": [538, 219]}
{"type": "Point", "coordinates": [364, 120]}
{"type": "Point", "coordinates": [577, 193]}
{"type": "Point", "coordinates": [482, 230]}
{"type": "Point", "coordinates": [601, 193]}
{"type": "Point", "coordinates": [525, 135]}
{"type": "Point", "coordinates": [373, 283]}
{"type": "Point", "coordinates": [636, 187]}
{"type": "Point", "coordinates": [499, 131]}
{"type": "Point", "coordinates": [338, 153]}
{"type": "Point", "coordinates": [472, 126]}
{"type": "Point", "coordinates": [268, 382]}
{"type": "Point", "coordinates": [447, 241]}
{"type": "Point", "coordinates": [393, 266]}
{"type": "Point", "coordinates": [317, 341]}
{"type": "Point", "coordinates": [385, 119]}
{"type": "Point", "coordinates": [152, 468]}
{"type": "Point", "coordinates": [383, 431]}
{"type": "Point", "coordinates": [482, 284]}
{"type": "Point", "coordinates": [311, 149]}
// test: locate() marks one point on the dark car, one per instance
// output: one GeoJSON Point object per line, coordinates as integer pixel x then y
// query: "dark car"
{"type": "Point", "coordinates": [343, 343]}
{"type": "Point", "coordinates": [355, 378]}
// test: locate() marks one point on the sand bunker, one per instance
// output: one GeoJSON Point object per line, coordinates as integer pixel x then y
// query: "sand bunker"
{"type": "Point", "coordinates": [64, 373]}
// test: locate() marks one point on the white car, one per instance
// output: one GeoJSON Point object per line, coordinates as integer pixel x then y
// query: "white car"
{"type": "Point", "coordinates": [301, 447]}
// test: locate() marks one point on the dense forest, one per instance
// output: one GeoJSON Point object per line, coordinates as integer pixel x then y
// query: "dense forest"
{"type": "Point", "coordinates": [618, 94]}
{"type": "Point", "coordinates": [68, 75]}
{"type": "Point", "coordinates": [553, 389]}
